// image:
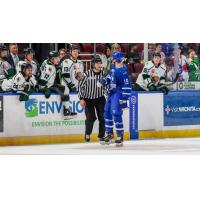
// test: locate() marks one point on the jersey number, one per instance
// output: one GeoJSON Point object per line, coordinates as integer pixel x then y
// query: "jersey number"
{"type": "Point", "coordinates": [46, 76]}
{"type": "Point", "coordinates": [15, 86]}
{"type": "Point", "coordinates": [65, 69]}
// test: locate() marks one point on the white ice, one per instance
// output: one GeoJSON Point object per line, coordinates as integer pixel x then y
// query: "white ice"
{"type": "Point", "coordinates": [154, 146]}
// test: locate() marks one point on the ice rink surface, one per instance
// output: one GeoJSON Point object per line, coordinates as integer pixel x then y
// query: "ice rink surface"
{"type": "Point", "coordinates": [136, 147]}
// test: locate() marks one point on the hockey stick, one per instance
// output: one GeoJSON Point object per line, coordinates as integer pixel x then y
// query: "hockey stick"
{"type": "Point", "coordinates": [171, 83]}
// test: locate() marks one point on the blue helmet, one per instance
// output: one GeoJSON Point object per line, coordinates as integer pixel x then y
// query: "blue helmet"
{"type": "Point", "coordinates": [118, 56]}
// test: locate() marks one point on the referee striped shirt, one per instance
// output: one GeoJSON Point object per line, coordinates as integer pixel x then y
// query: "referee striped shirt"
{"type": "Point", "coordinates": [88, 87]}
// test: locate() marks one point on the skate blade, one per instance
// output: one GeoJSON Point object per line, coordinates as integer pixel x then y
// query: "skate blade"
{"type": "Point", "coordinates": [69, 117]}
{"type": "Point", "coordinates": [119, 145]}
{"type": "Point", "coordinates": [112, 140]}
{"type": "Point", "coordinates": [102, 143]}
{"type": "Point", "coordinates": [107, 143]}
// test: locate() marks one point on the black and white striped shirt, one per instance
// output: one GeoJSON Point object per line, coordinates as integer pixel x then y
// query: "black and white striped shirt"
{"type": "Point", "coordinates": [88, 87]}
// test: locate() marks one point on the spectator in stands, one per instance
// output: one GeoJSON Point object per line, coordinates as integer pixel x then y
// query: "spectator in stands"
{"type": "Point", "coordinates": [167, 49]}
{"type": "Point", "coordinates": [159, 50]}
{"type": "Point", "coordinates": [183, 67]}
{"type": "Point", "coordinates": [151, 50]}
{"type": "Point", "coordinates": [108, 52]}
{"type": "Point", "coordinates": [13, 57]}
{"type": "Point", "coordinates": [170, 69]}
{"type": "Point", "coordinates": [133, 56]}
{"type": "Point", "coordinates": [193, 64]}
{"type": "Point", "coordinates": [109, 59]}
{"type": "Point", "coordinates": [184, 47]}
{"type": "Point", "coordinates": [115, 47]}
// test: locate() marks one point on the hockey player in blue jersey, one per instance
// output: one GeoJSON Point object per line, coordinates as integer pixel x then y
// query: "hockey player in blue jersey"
{"type": "Point", "coordinates": [119, 90]}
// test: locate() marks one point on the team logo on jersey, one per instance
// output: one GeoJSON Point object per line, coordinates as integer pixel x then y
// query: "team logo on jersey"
{"type": "Point", "coordinates": [153, 71]}
{"type": "Point", "coordinates": [18, 79]}
{"type": "Point", "coordinates": [145, 70]}
{"type": "Point", "coordinates": [75, 66]}
{"type": "Point", "coordinates": [31, 107]}
{"type": "Point", "coordinates": [50, 69]}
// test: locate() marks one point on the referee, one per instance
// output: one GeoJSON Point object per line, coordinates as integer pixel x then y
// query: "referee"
{"type": "Point", "coordinates": [91, 95]}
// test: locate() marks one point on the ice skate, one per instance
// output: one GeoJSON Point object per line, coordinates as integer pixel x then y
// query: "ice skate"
{"type": "Point", "coordinates": [102, 141]}
{"type": "Point", "coordinates": [109, 138]}
{"type": "Point", "coordinates": [119, 142]}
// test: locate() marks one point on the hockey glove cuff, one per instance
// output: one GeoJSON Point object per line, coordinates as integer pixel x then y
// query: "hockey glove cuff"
{"type": "Point", "coordinates": [23, 97]}
{"type": "Point", "coordinates": [47, 93]}
{"type": "Point", "coordinates": [151, 87]}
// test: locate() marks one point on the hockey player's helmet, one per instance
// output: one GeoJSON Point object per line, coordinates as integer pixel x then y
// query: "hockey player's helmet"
{"type": "Point", "coordinates": [28, 51]}
{"type": "Point", "coordinates": [25, 66]}
{"type": "Point", "coordinates": [53, 54]}
{"type": "Point", "coordinates": [3, 48]}
{"type": "Point", "coordinates": [74, 47]}
{"type": "Point", "coordinates": [156, 54]}
{"type": "Point", "coordinates": [96, 59]}
{"type": "Point", "coordinates": [118, 56]}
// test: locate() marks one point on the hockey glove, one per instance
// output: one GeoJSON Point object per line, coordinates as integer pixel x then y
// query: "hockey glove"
{"type": "Point", "coordinates": [42, 82]}
{"type": "Point", "coordinates": [24, 97]}
{"type": "Point", "coordinates": [105, 81]}
{"type": "Point", "coordinates": [29, 89]}
{"type": "Point", "coordinates": [123, 104]}
{"type": "Point", "coordinates": [165, 90]}
{"type": "Point", "coordinates": [151, 87]}
{"type": "Point", "coordinates": [37, 88]}
{"type": "Point", "coordinates": [102, 82]}
{"type": "Point", "coordinates": [70, 85]}
{"type": "Point", "coordinates": [73, 89]}
{"type": "Point", "coordinates": [10, 73]}
{"type": "Point", "coordinates": [47, 93]}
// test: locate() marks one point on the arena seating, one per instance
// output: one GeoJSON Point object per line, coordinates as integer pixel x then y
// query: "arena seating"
{"type": "Point", "coordinates": [100, 48]}
{"type": "Point", "coordinates": [88, 47]}
{"type": "Point", "coordinates": [125, 47]}
{"type": "Point", "coordinates": [136, 71]}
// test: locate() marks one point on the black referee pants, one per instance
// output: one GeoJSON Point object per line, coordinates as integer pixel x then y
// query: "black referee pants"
{"type": "Point", "coordinates": [92, 105]}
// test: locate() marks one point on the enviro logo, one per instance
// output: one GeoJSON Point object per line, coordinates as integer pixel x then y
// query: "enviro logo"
{"type": "Point", "coordinates": [31, 107]}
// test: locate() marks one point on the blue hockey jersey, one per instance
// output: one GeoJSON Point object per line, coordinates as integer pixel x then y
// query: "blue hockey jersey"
{"type": "Point", "coordinates": [118, 81]}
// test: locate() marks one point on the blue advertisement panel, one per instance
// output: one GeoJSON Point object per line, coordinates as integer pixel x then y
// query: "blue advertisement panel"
{"type": "Point", "coordinates": [182, 108]}
{"type": "Point", "coordinates": [134, 115]}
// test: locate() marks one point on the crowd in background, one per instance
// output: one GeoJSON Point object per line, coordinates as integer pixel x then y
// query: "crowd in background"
{"type": "Point", "coordinates": [188, 59]}
{"type": "Point", "coordinates": [188, 56]}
